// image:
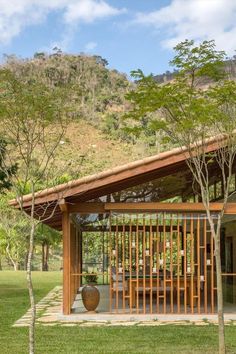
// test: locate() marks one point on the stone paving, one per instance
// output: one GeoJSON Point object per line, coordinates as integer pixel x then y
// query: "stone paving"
{"type": "Point", "coordinates": [49, 313]}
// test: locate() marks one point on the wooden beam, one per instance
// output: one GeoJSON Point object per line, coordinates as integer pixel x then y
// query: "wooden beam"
{"type": "Point", "coordinates": [87, 208]}
{"type": "Point", "coordinates": [176, 207]}
{"type": "Point", "coordinates": [127, 228]}
{"type": "Point", "coordinates": [63, 205]}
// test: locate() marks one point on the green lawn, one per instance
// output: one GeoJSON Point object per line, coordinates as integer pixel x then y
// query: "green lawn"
{"type": "Point", "coordinates": [163, 339]}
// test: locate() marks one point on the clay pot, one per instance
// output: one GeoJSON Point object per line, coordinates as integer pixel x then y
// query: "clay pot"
{"type": "Point", "coordinates": [90, 297]}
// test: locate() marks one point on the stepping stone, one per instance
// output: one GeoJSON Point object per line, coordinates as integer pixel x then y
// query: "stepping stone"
{"type": "Point", "coordinates": [21, 325]}
{"type": "Point", "coordinates": [123, 323]}
{"type": "Point", "coordinates": [92, 324]}
{"type": "Point", "coordinates": [47, 319]}
{"type": "Point", "coordinates": [149, 324]}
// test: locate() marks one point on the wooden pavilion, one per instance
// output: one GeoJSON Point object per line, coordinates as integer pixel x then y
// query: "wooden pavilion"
{"type": "Point", "coordinates": [158, 252]}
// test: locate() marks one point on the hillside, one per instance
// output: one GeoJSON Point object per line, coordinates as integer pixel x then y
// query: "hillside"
{"type": "Point", "coordinates": [95, 139]}
{"type": "Point", "coordinates": [90, 151]}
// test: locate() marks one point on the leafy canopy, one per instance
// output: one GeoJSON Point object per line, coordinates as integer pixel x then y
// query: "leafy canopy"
{"type": "Point", "coordinates": [198, 103]}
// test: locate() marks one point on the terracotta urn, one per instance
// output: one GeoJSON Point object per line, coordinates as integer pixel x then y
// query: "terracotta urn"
{"type": "Point", "coordinates": [90, 297]}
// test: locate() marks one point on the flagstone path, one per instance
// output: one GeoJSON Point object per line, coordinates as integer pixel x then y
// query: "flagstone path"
{"type": "Point", "coordinates": [49, 313]}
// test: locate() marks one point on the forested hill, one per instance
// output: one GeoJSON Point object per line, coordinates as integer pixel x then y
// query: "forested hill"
{"type": "Point", "coordinates": [95, 139]}
{"type": "Point", "coordinates": [99, 91]}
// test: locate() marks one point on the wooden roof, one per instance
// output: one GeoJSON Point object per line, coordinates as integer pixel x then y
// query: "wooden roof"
{"type": "Point", "coordinates": [107, 182]}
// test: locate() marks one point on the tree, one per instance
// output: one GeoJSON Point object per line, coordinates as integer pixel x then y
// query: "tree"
{"type": "Point", "coordinates": [198, 104]}
{"type": "Point", "coordinates": [14, 228]}
{"type": "Point", "coordinates": [5, 182]}
{"type": "Point", "coordinates": [33, 121]}
{"type": "Point", "coordinates": [46, 237]}
{"type": "Point", "coordinates": [5, 175]}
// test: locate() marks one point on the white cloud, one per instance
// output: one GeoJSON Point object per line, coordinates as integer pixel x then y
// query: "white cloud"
{"type": "Point", "coordinates": [15, 15]}
{"type": "Point", "coordinates": [90, 46]}
{"type": "Point", "coordinates": [89, 10]}
{"type": "Point", "coordinates": [194, 19]}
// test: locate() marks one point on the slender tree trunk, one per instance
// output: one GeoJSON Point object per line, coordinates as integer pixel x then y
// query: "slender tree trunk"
{"type": "Point", "coordinates": [219, 295]}
{"type": "Point", "coordinates": [14, 264]}
{"type": "Point", "coordinates": [30, 288]}
{"type": "Point", "coordinates": [45, 254]}
{"type": "Point", "coordinates": [220, 307]}
{"type": "Point", "coordinates": [42, 266]}
{"type": "Point", "coordinates": [0, 262]}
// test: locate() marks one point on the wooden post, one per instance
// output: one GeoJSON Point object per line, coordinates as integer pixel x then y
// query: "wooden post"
{"type": "Point", "coordinates": [66, 262]}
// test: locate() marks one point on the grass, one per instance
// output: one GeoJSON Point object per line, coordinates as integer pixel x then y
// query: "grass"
{"type": "Point", "coordinates": [69, 340]}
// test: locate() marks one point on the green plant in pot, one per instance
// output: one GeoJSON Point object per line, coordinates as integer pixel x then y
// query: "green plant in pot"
{"type": "Point", "coordinates": [90, 293]}
{"type": "Point", "coordinates": [91, 278]}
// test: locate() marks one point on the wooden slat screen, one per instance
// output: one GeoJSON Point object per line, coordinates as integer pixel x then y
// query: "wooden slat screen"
{"type": "Point", "coordinates": [161, 263]}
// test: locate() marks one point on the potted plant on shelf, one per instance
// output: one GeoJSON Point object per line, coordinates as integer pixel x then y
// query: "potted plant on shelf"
{"type": "Point", "coordinates": [90, 293]}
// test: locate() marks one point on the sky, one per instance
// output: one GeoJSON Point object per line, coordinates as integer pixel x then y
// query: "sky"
{"type": "Point", "coordinates": [130, 34]}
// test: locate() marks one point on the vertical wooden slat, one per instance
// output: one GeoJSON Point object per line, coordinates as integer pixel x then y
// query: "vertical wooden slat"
{"type": "Point", "coordinates": [171, 266]}
{"type": "Point", "coordinates": [72, 264]}
{"type": "Point", "coordinates": [108, 250]}
{"type": "Point", "coordinates": [198, 265]}
{"type": "Point", "coordinates": [185, 264]}
{"type": "Point", "coordinates": [164, 260]}
{"type": "Point", "coordinates": [117, 265]}
{"type": "Point", "coordinates": [137, 265]}
{"type": "Point", "coordinates": [151, 262]}
{"type": "Point", "coordinates": [178, 266]}
{"type": "Point", "coordinates": [123, 264]}
{"type": "Point", "coordinates": [192, 262]}
{"type": "Point", "coordinates": [212, 276]}
{"type": "Point", "coordinates": [205, 265]}
{"type": "Point", "coordinates": [130, 257]}
{"type": "Point", "coordinates": [66, 262]}
{"type": "Point", "coordinates": [158, 263]}
{"type": "Point", "coordinates": [110, 262]}
{"type": "Point", "coordinates": [144, 265]}
{"type": "Point", "coordinates": [76, 257]}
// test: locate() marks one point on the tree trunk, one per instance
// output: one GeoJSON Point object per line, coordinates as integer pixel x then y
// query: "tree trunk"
{"type": "Point", "coordinates": [26, 260]}
{"type": "Point", "coordinates": [0, 262]}
{"type": "Point", "coordinates": [30, 288]}
{"type": "Point", "coordinates": [16, 266]}
{"type": "Point", "coordinates": [45, 255]}
{"type": "Point", "coordinates": [219, 295]}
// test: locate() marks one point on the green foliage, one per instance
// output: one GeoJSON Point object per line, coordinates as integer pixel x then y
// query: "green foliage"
{"type": "Point", "coordinates": [200, 61]}
{"type": "Point", "coordinates": [94, 89]}
{"type": "Point", "coordinates": [33, 120]}
{"type": "Point", "coordinates": [14, 231]}
{"type": "Point", "coordinates": [91, 278]}
{"type": "Point", "coordinates": [45, 234]}
{"type": "Point", "coordinates": [6, 172]}
{"type": "Point", "coordinates": [187, 110]}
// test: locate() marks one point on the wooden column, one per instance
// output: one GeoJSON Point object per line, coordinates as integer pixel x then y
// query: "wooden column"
{"type": "Point", "coordinates": [73, 288]}
{"type": "Point", "coordinates": [66, 262]}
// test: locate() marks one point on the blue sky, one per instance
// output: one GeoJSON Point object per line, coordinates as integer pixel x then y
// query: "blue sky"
{"type": "Point", "coordinates": [130, 34]}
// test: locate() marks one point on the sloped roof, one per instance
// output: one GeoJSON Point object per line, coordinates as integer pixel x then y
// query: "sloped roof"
{"type": "Point", "coordinates": [110, 181]}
